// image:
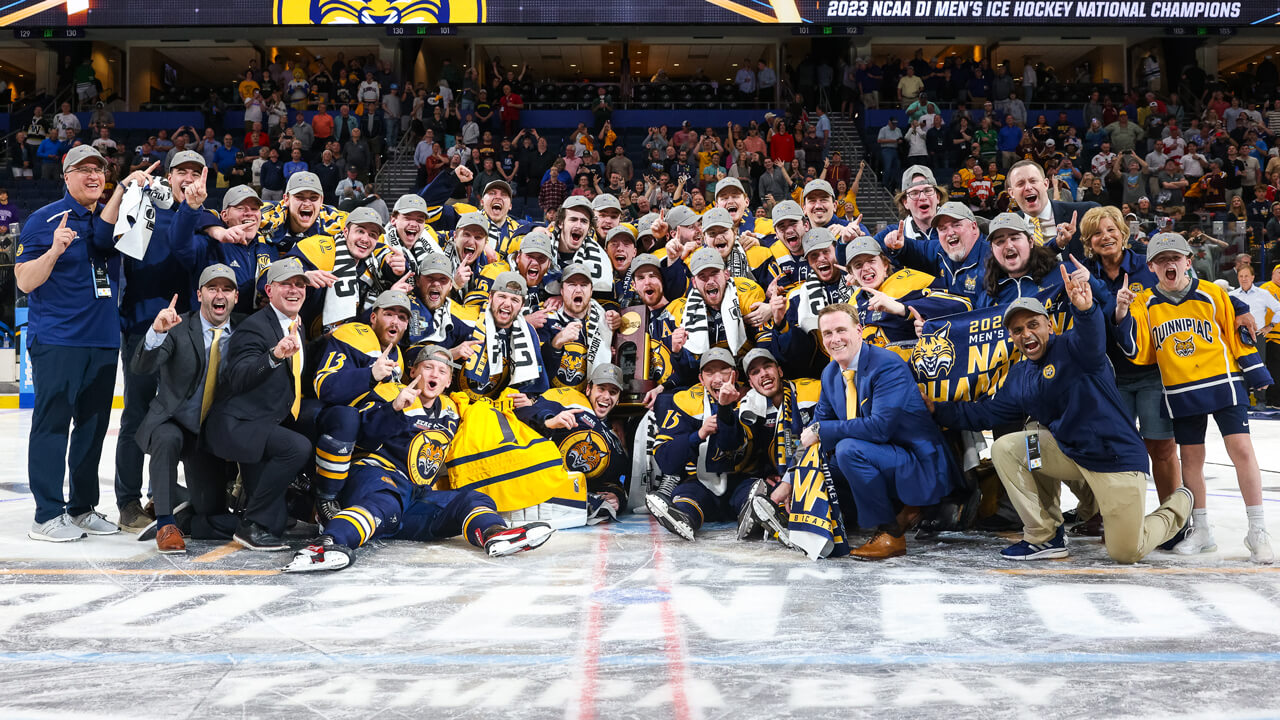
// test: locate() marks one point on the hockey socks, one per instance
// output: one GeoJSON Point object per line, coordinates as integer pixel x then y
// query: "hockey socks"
{"type": "Point", "coordinates": [352, 526]}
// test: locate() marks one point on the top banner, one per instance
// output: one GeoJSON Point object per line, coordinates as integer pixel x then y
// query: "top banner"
{"type": "Point", "coordinates": [179, 13]}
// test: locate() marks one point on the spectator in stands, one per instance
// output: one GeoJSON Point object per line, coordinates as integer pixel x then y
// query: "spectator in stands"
{"type": "Point", "coordinates": [254, 107]}
{"type": "Point", "coordinates": [889, 139]}
{"type": "Point", "coordinates": [226, 156]}
{"type": "Point", "coordinates": [350, 191]}
{"type": "Point", "coordinates": [161, 141]}
{"type": "Point", "coordinates": [50, 156]}
{"type": "Point", "coordinates": [1124, 135]}
{"type": "Point", "coordinates": [745, 81]}
{"type": "Point", "coordinates": [509, 108]}
{"type": "Point", "coordinates": [554, 187]}
{"type": "Point", "coordinates": [101, 118]}
{"type": "Point", "coordinates": [391, 109]}
{"type": "Point", "coordinates": [22, 156]}
{"type": "Point", "coordinates": [620, 164]}
{"type": "Point", "coordinates": [917, 146]}
{"type": "Point", "coordinates": [104, 144]}
{"type": "Point", "coordinates": [248, 85]}
{"type": "Point", "coordinates": [601, 108]}
{"type": "Point", "coordinates": [272, 175]}
{"type": "Point", "coordinates": [176, 148]}
{"type": "Point", "coordinates": [322, 126]}
{"type": "Point", "coordinates": [357, 152]}
{"type": "Point", "coordinates": [295, 164]}
{"type": "Point", "coordinates": [255, 138]}
{"type": "Point", "coordinates": [67, 124]}
{"type": "Point", "coordinates": [145, 156]}
{"type": "Point", "coordinates": [329, 174]}
{"type": "Point", "coordinates": [369, 93]}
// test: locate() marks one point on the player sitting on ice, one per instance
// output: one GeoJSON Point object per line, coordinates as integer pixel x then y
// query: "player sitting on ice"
{"type": "Point", "coordinates": [391, 492]}
{"type": "Point", "coordinates": [578, 422]}
{"type": "Point", "coordinates": [771, 417]}
{"type": "Point", "coordinates": [699, 483]}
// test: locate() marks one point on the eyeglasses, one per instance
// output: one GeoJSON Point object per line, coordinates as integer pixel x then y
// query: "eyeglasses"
{"type": "Point", "coordinates": [88, 170]}
{"type": "Point", "coordinates": [915, 194]}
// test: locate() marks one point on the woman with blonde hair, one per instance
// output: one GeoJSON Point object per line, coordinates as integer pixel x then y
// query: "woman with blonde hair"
{"type": "Point", "coordinates": [1105, 236]}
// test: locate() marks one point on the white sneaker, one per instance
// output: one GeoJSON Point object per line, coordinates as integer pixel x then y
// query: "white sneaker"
{"type": "Point", "coordinates": [1259, 544]}
{"type": "Point", "coordinates": [95, 523]}
{"type": "Point", "coordinates": [1199, 540]}
{"type": "Point", "coordinates": [59, 529]}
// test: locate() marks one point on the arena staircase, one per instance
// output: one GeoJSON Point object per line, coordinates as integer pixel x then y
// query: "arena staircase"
{"type": "Point", "coordinates": [874, 200]}
{"type": "Point", "coordinates": [398, 174]}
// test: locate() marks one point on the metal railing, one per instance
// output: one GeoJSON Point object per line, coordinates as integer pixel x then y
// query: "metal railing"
{"type": "Point", "coordinates": [395, 160]}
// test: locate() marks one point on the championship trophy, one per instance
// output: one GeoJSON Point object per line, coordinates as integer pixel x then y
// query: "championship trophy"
{"type": "Point", "coordinates": [631, 345]}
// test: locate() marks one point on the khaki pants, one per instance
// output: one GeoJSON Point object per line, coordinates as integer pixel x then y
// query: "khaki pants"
{"type": "Point", "coordinates": [1120, 496]}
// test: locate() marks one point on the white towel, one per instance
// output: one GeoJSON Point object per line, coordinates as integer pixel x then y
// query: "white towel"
{"type": "Point", "coordinates": [137, 218]}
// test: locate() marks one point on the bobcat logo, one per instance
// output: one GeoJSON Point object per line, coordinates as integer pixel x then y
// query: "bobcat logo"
{"type": "Point", "coordinates": [377, 12]}
{"type": "Point", "coordinates": [934, 354]}
{"type": "Point", "coordinates": [1184, 348]}
{"type": "Point", "coordinates": [583, 454]}
{"type": "Point", "coordinates": [426, 456]}
{"type": "Point", "coordinates": [573, 367]}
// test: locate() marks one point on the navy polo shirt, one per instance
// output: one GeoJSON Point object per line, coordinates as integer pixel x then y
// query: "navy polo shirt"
{"type": "Point", "coordinates": [66, 310]}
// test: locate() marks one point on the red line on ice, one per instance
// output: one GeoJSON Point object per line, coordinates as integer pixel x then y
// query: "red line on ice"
{"type": "Point", "coordinates": [670, 628]}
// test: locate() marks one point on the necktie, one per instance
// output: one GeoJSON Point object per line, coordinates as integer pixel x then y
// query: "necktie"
{"type": "Point", "coordinates": [211, 375]}
{"type": "Point", "coordinates": [295, 362]}
{"type": "Point", "coordinates": [1036, 232]}
{"type": "Point", "coordinates": [850, 394]}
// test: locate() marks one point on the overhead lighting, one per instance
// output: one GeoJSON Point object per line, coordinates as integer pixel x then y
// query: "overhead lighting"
{"type": "Point", "coordinates": [610, 52]}
{"type": "Point", "coordinates": [735, 64]}
{"type": "Point", "coordinates": [677, 64]}
{"type": "Point", "coordinates": [572, 65]}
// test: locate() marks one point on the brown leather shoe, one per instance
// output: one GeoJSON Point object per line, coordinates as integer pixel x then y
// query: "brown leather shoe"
{"type": "Point", "coordinates": [908, 517]}
{"type": "Point", "coordinates": [169, 540]}
{"type": "Point", "coordinates": [881, 546]}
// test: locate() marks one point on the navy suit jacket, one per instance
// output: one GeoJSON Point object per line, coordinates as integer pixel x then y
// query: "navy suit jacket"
{"type": "Point", "coordinates": [890, 412]}
{"type": "Point", "coordinates": [1062, 214]}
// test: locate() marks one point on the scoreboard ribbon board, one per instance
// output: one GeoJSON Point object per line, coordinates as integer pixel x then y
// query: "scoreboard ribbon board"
{"type": "Point", "coordinates": [178, 13]}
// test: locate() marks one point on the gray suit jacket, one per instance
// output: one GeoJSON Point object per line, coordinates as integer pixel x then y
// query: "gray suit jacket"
{"type": "Point", "coordinates": [181, 362]}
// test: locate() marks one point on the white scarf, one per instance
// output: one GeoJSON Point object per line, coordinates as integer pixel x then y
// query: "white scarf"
{"type": "Point", "coordinates": [592, 255]}
{"type": "Point", "coordinates": [137, 218]}
{"type": "Point", "coordinates": [342, 298]}
{"type": "Point", "coordinates": [599, 337]}
{"type": "Point", "coordinates": [814, 297]}
{"type": "Point", "coordinates": [737, 265]}
{"type": "Point", "coordinates": [524, 348]}
{"type": "Point", "coordinates": [717, 483]}
{"type": "Point", "coordinates": [441, 322]}
{"type": "Point", "coordinates": [697, 320]}
{"type": "Point", "coordinates": [414, 256]}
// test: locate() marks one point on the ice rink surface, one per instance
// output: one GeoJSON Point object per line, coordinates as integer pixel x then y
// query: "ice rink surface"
{"type": "Point", "coordinates": [628, 621]}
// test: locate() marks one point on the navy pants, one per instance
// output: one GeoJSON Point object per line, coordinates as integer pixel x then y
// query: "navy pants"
{"type": "Point", "coordinates": [870, 473]}
{"type": "Point", "coordinates": [702, 506]}
{"type": "Point", "coordinates": [73, 384]}
{"type": "Point", "coordinates": [139, 391]}
{"type": "Point", "coordinates": [378, 503]}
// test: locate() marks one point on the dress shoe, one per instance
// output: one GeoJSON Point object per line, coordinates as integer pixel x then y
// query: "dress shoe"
{"type": "Point", "coordinates": [169, 540]}
{"type": "Point", "coordinates": [908, 517]}
{"type": "Point", "coordinates": [882, 545]}
{"type": "Point", "coordinates": [1088, 528]}
{"type": "Point", "coordinates": [253, 536]}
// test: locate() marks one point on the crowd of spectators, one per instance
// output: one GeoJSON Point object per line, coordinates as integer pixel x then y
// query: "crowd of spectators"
{"type": "Point", "coordinates": [1201, 159]}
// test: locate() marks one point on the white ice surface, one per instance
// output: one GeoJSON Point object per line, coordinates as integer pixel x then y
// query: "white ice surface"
{"type": "Point", "coordinates": [627, 621]}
